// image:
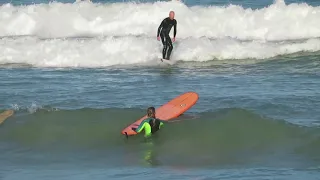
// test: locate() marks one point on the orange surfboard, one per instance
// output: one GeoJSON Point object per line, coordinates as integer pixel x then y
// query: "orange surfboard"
{"type": "Point", "coordinates": [166, 112]}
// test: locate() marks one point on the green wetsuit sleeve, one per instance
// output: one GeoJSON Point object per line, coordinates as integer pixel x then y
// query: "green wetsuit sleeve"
{"type": "Point", "coordinates": [161, 124]}
{"type": "Point", "coordinates": [142, 125]}
{"type": "Point", "coordinates": [147, 130]}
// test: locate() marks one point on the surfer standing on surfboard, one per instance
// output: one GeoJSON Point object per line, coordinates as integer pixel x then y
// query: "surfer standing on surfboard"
{"type": "Point", "coordinates": [163, 33]}
{"type": "Point", "coordinates": [151, 124]}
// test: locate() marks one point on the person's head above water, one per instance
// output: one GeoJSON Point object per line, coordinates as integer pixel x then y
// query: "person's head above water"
{"type": "Point", "coordinates": [151, 112]}
{"type": "Point", "coordinates": [171, 15]}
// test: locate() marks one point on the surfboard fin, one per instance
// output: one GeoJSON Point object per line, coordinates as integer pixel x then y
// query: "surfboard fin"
{"type": "Point", "coordinates": [126, 135]}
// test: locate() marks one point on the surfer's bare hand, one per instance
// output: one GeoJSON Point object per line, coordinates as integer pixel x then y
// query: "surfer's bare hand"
{"type": "Point", "coordinates": [158, 38]}
{"type": "Point", "coordinates": [173, 39]}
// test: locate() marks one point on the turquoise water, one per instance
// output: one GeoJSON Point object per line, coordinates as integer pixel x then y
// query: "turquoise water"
{"type": "Point", "coordinates": [76, 74]}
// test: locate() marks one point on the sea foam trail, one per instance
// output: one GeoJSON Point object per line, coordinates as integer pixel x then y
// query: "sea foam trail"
{"type": "Point", "coordinates": [108, 51]}
{"type": "Point", "coordinates": [276, 22]}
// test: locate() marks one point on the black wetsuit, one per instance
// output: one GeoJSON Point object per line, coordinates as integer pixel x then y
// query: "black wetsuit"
{"type": "Point", "coordinates": [163, 31]}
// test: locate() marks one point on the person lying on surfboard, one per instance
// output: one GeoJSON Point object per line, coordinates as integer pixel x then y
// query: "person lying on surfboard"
{"type": "Point", "coordinates": [151, 124]}
{"type": "Point", "coordinates": [163, 34]}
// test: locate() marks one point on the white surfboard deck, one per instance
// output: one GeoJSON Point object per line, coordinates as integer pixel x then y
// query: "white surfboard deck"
{"type": "Point", "coordinates": [170, 62]}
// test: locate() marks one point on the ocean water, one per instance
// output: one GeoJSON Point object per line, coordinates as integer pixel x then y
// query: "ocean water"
{"type": "Point", "coordinates": [77, 73]}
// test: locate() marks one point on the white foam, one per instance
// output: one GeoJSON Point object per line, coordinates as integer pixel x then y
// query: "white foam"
{"type": "Point", "coordinates": [124, 33]}
{"type": "Point", "coordinates": [276, 22]}
{"type": "Point", "coordinates": [101, 52]}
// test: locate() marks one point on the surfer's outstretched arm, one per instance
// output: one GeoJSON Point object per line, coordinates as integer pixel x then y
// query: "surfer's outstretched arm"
{"type": "Point", "coordinates": [175, 30]}
{"type": "Point", "coordinates": [142, 125]}
{"type": "Point", "coordinates": [159, 28]}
